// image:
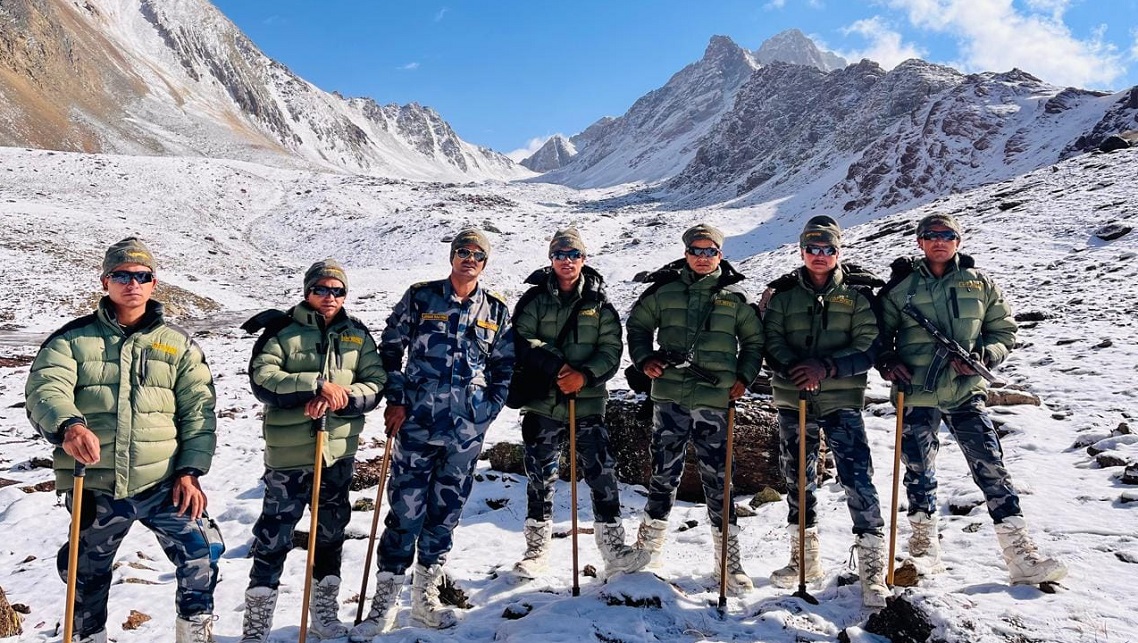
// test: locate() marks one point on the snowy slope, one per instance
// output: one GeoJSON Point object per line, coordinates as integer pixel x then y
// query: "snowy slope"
{"type": "Point", "coordinates": [234, 237]}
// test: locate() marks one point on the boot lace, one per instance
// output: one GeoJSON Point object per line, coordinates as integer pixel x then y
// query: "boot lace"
{"type": "Point", "coordinates": [535, 542]}
{"type": "Point", "coordinates": [920, 542]}
{"type": "Point", "coordinates": [324, 603]}
{"type": "Point", "coordinates": [258, 611]}
{"type": "Point", "coordinates": [201, 628]}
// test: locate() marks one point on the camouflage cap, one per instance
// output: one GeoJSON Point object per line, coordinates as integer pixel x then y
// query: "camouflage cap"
{"type": "Point", "coordinates": [470, 237]}
{"type": "Point", "coordinates": [129, 250]}
{"type": "Point", "coordinates": [821, 229]}
{"type": "Point", "coordinates": [326, 269]}
{"type": "Point", "coordinates": [939, 218]}
{"type": "Point", "coordinates": [567, 239]}
{"type": "Point", "coordinates": [703, 231]}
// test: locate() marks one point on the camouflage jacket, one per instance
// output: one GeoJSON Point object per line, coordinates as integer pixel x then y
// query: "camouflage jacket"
{"type": "Point", "coordinates": [459, 356]}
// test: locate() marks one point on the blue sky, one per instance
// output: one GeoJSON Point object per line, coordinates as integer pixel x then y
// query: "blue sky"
{"type": "Point", "coordinates": [507, 74]}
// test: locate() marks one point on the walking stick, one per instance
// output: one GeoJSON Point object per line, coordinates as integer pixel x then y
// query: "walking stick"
{"type": "Point", "coordinates": [725, 521]}
{"type": "Point", "coordinates": [383, 466]}
{"type": "Point", "coordinates": [573, 484]}
{"type": "Point", "coordinates": [802, 593]}
{"type": "Point", "coordinates": [314, 507]}
{"type": "Point", "coordinates": [896, 475]}
{"type": "Point", "coordinates": [73, 551]}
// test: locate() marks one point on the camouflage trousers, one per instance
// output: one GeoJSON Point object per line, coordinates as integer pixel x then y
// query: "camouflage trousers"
{"type": "Point", "coordinates": [844, 431]}
{"type": "Point", "coordinates": [287, 493]}
{"type": "Point", "coordinates": [431, 478]}
{"type": "Point", "coordinates": [973, 430]}
{"type": "Point", "coordinates": [673, 427]}
{"type": "Point", "coordinates": [194, 546]}
{"type": "Point", "coordinates": [543, 438]}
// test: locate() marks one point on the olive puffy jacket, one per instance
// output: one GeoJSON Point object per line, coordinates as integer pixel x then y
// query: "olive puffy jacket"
{"type": "Point", "coordinates": [705, 314]}
{"type": "Point", "coordinates": [593, 344]}
{"type": "Point", "coordinates": [836, 325]}
{"type": "Point", "coordinates": [286, 371]}
{"type": "Point", "coordinates": [147, 395]}
{"type": "Point", "coordinates": [964, 304]}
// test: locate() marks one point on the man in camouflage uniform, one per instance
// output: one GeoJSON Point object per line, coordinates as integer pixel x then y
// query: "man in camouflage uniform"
{"type": "Point", "coordinates": [821, 339]}
{"type": "Point", "coordinates": [144, 457]}
{"type": "Point", "coordinates": [460, 354]}
{"type": "Point", "coordinates": [312, 362]}
{"type": "Point", "coordinates": [705, 327]}
{"type": "Point", "coordinates": [567, 300]}
{"type": "Point", "coordinates": [967, 306]}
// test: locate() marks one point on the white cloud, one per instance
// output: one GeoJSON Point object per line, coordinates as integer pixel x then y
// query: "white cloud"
{"type": "Point", "coordinates": [532, 145]}
{"type": "Point", "coordinates": [412, 66]}
{"type": "Point", "coordinates": [441, 14]}
{"type": "Point", "coordinates": [886, 46]}
{"type": "Point", "coordinates": [993, 35]}
{"type": "Point", "coordinates": [1134, 45]}
{"type": "Point", "coordinates": [774, 4]}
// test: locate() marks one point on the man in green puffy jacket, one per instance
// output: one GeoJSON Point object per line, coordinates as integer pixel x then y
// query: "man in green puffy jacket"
{"type": "Point", "coordinates": [968, 307]}
{"type": "Point", "coordinates": [568, 334]}
{"type": "Point", "coordinates": [710, 344]}
{"type": "Point", "coordinates": [821, 339]}
{"type": "Point", "coordinates": [314, 362]}
{"type": "Point", "coordinates": [142, 458]}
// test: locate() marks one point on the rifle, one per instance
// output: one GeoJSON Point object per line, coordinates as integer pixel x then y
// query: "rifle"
{"type": "Point", "coordinates": [683, 361]}
{"type": "Point", "coordinates": [946, 347]}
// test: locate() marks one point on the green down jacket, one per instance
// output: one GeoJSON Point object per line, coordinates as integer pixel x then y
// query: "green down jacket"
{"type": "Point", "coordinates": [965, 305]}
{"type": "Point", "coordinates": [707, 317]}
{"type": "Point", "coordinates": [593, 344]}
{"type": "Point", "coordinates": [287, 368]}
{"type": "Point", "coordinates": [147, 395]}
{"type": "Point", "coordinates": [836, 325]}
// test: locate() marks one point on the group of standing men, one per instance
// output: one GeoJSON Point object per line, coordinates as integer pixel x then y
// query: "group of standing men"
{"type": "Point", "coordinates": [128, 395]}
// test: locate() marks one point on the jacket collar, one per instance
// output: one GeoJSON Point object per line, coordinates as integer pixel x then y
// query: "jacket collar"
{"type": "Point", "coordinates": [154, 315]}
{"type": "Point", "coordinates": [590, 286]}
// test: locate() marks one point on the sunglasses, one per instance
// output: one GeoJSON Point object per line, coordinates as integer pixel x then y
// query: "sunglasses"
{"type": "Point", "coordinates": [124, 277]}
{"type": "Point", "coordinates": [324, 291]}
{"type": "Point", "coordinates": [703, 252]}
{"type": "Point", "coordinates": [566, 255]}
{"type": "Point", "coordinates": [467, 253]}
{"type": "Point", "coordinates": [939, 235]}
{"type": "Point", "coordinates": [829, 251]}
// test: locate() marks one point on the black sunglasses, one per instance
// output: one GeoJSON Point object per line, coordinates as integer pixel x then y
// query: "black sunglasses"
{"type": "Point", "coordinates": [466, 253]}
{"type": "Point", "coordinates": [125, 276]}
{"type": "Point", "coordinates": [939, 235]}
{"type": "Point", "coordinates": [324, 291]}
{"type": "Point", "coordinates": [562, 255]}
{"type": "Point", "coordinates": [829, 251]}
{"type": "Point", "coordinates": [703, 252]}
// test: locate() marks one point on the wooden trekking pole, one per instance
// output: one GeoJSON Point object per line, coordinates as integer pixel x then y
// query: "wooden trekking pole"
{"type": "Point", "coordinates": [725, 521]}
{"type": "Point", "coordinates": [314, 508]}
{"type": "Point", "coordinates": [383, 466]}
{"type": "Point", "coordinates": [573, 485]}
{"type": "Point", "coordinates": [73, 551]}
{"type": "Point", "coordinates": [802, 593]}
{"type": "Point", "coordinates": [896, 481]}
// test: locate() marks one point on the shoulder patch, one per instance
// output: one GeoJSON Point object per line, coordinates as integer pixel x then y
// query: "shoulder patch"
{"type": "Point", "coordinates": [487, 324]}
{"type": "Point", "coordinates": [164, 348]}
{"type": "Point", "coordinates": [971, 284]}
{"type": "Point", "coordinates": [590, 312]}
{"type": "Point", "coordinates": [434, 316]}
{"type": "Point", "coordinates": [840, 298]}
{"type": "Point", "coordinates": [494, 294]}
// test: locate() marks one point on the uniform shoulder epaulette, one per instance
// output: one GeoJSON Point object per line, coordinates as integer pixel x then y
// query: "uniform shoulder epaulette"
{"type": "Point", "coordinates": [494, 294]}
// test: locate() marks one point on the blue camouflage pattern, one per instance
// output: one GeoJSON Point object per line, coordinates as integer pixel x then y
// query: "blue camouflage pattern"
{"type": "Point", "coordinates": [193, 545]}
{"type": "Point", "coordinates": [979, 442]}
{"type": "Point", "coordinates": [543, 438]}
{"type": "Point", "coordinates": [287, 493]}
{"type": "Point", "coordinates": [459, 359]}
{"type": "Point", "coordinates": [673, 427]}
{"type": "Point", "coordinates": [844, 432]}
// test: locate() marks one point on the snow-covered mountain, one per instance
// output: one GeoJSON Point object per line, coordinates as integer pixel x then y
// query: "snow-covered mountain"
{"type": "Point", "coordinates": [554, 153]}
{"type": "Point", "coordinates": [176, 77]}
{"type": "Point", "coordinates": [794, 47]}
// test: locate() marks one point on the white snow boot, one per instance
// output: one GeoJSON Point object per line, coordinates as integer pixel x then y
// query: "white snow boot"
{"type": "Point", "coordinates": [650, 538]}
{"type": "Point", "coordinates": [324, 610]}
{"type": "Point", "coordinates": [195, 629]}
{"type": "Point", "coordinates": [382, 614]}
{"type": "Point", "coordinates": [871, 570]}
{"type": "Point", "coordinates": [618, 556]}
{"type": "Point", "coordinates": [924, 543]}
{"type": "Point", "coordinates": [536, 559]}
{"type": "Point", "coordinates": [259, 605]}
{"type": "Point", "coordinates": [787, 577]}
{"type": "Point", "coordinates": [426, 608]}
{"type": "Point", "coordinates": [1026, 565]}
{"type": "Point", "coordinates": [738, 581]}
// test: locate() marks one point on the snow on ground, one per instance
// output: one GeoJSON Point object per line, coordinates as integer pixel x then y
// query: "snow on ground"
{"type": "Point", "coordinates": [234, 238]}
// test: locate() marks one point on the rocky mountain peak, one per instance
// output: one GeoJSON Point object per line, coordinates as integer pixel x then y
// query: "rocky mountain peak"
{"type": "Point", "coordinates": [794, 47]}
{"type": "Point", "coordinates": [555, 153]}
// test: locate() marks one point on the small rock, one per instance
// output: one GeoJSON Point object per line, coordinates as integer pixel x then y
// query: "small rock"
{"type": "Point", "coordinates": [1124, 556]}
{"type": "Point", "coordinates": [363, 504]}
{"type": "Point", "coordinates": [1031, 316]}
{"type": "Point", "coordinates": [962, 506]}
{"type": "Point", "coordinates": [767, 495]}
{"type": "Point", "coordinates": [589, 571]}
{"type": "Point", "coordinates": [688, 524]}
{"type": "Point", "coordinates": [1106, 343]}
{"type": "Point", "coordinates": [1123, 429]}
{"type": "Point", "coordinates": [1128, 497]}
{"type": "Point", "coordinates": [1107, 460]}
{"type": "Point", "coordinates": [135, 619]}
{"type": "Point", "coordinates": [972, 527]}
{"type": "Point", "coordinates": [907, 575]}
{"type": "Point", "coordinates": [516, 611]}
{"type": "Point", "coordinates": [744, 511]}
{"type": "Point", "coordinates": [1006, 397]}
{"type": "Point", "coordinates": [497, 503]}
{"type": "Point", "coordinates": [1130, 475]}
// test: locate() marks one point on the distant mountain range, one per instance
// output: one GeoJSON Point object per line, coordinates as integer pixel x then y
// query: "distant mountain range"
{"type": "Point", "coordinates": [175, 77]}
